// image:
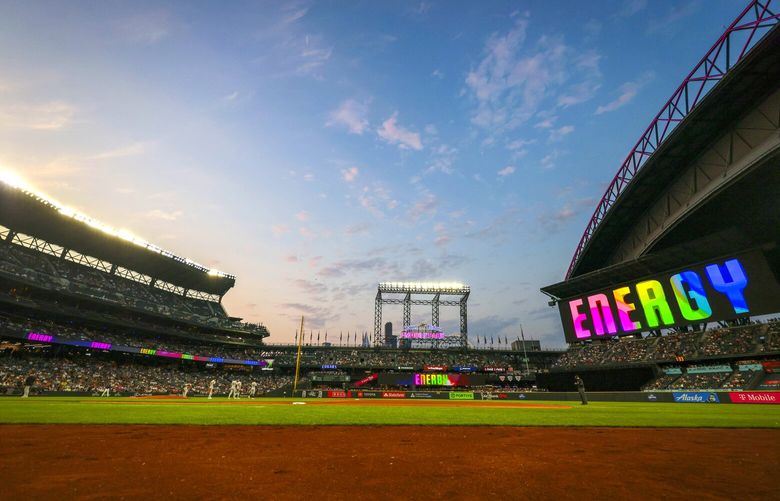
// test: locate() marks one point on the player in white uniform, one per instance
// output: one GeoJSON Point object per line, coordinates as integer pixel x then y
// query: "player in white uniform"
{"type": "Point", "coordinates": [238, 389]}
{"type": "Point", "coordinates": [186, 390]}
{"type": "Point", "coordinates": [106, 392]}
{"type": "Point", "coordinates": [252, 389]}
{"type": "Point", "coordinates": [211, 387]}
{"type": "Point", "coordinates": [232, 389]}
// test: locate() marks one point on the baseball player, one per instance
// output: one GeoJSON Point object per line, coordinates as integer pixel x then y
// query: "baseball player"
{"type": "Point", "coordinates": [186, 390]}
{"type": "Point", "coordinates": [211, 387]}
{"type": "Point", "coordinates": [106, 392]}
{"type": "Point", "coordinates": [238, 389]}
{"type": "Point", "coordinates": [581, 389]}
{"type": "Point", "coordinates": [28, 382]}
{"type": "Point", "coordinates": [252, 389]}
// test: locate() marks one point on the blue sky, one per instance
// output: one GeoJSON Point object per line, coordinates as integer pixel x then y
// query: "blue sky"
{"type": "Point", "coordinates": [316, 149]}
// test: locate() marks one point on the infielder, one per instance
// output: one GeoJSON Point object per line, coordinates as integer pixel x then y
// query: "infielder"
{"type": "Point", "coordinates": [252, 389]}
{"type": "Point", "coordinates": [211, 387]}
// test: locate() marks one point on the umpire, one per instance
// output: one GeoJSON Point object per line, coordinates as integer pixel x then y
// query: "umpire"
{"type": "Point", "coordinates": [581, 389]}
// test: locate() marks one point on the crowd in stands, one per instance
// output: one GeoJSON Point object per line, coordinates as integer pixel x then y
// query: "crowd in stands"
{"type": "Point", "coordinates": [80, 372]}
{"type": "Point", "coordinates": [318, 357]}
{"type": "Point", "coordinates": [748, 339]}
{"type": "Point", "coordinates": [661, 382]}
{"type": "Point", "coordinates": [61, 275]}
{"type": "Point", "coordinates": [699, 381]}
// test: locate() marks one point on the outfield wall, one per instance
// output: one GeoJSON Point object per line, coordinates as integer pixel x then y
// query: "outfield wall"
{"type": "Point", "coordinates": [704, 397]}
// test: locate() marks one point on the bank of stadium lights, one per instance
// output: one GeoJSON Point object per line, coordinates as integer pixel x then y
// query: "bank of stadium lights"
{"type": "Point", "coordinates": [15, 181]}
{"type": "Point", "coordinates": [427, 286]}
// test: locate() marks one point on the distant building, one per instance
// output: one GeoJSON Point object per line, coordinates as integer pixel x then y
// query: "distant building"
{"type": "Point", "coordinates": [530, 345]}
{"type": "Point", "coordinates": [391, 341]}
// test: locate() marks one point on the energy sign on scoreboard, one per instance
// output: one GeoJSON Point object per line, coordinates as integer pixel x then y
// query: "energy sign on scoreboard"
{"type": "Point", "coordinates": [721, 289]}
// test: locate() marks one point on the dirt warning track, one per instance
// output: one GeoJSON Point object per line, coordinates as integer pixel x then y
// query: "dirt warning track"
{"type": "Point", "coordinates": [384, 462]}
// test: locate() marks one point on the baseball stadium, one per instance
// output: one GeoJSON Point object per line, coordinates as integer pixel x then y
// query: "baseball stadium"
{"type": "Point", "coordinates": [123, 375]}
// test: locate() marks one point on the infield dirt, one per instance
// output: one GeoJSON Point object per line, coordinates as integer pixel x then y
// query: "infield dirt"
{"type": "Point", "coordinates": [385, 462]}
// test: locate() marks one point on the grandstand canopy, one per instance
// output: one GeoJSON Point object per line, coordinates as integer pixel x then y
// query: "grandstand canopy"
{"type": "Point", "coordinates": [741, 89]}
{"type": "Point", "coordinates": [28, 213]}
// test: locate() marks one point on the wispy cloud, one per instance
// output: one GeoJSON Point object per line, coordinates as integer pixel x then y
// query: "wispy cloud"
{"type": "Point", "coordinates": [302, 216]}
{"type": "Point", "coordinates": [146, 28]}
{"type": "Point", "coordinates": [52, 115]}
{"type": "Point", "coordinates": [280, 229]}
{"type": "Point", "coordinates": [627, 92]}
{"type": "Point", "coordinates": [512, 81]}
{"type": "Point", "coordinates": [350, 174]}
{"type": "Point", "coordinates": [134, 149]}
{"type": "Point", "coordinates": [393, 133]}
{"type": "Point", "coordinates": [506, 171]}
{"type": "Point", "coordinates": [352, 115]}
{"type": "Point", "coordinates": [631, 7]}
{"type": "Point", "coordinates": [675, 13]}
{"type": "Point", "coordinates": [561, 132]}
{"type": "Point", "coordinates": [425, 206]}
{"type": "Point", "coordinates": [163, 215]}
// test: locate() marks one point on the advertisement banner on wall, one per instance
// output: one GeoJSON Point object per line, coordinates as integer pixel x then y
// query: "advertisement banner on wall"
{"type": "Point", "coordinates": [754, 397]}
{"type": "Point", "coordinates": [461, 395]}
{"type": "Point", "coordinates": [338, 394]}
{"type": "Point", "coordinates": [366, 394]}
{"type": "Point", "coordinates": [393, 394]}
{"type": "Point", "coordinates": [420, 394]}
{"type": "Point", "coordinates": [311, 394]}
{"type": "Point", "coordinates": [695, 397]}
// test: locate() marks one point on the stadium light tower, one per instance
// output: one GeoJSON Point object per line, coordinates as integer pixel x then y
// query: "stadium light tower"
{"type": "Point", "coordinates": [410, 289]}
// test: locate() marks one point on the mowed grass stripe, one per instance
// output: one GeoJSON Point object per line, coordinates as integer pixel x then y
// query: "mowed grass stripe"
{"type": "Point", "coordinates": [74, 411]}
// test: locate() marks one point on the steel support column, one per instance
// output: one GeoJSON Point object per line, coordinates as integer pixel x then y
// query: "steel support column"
{"type": "Point", "coordinates": [464, 321]}
{"type": "Point", "coordinates": [435, 311]}
{"type": "Point", "coordinates": [378, 334]}
{"type": "Point", "coordinates": [408, 310]}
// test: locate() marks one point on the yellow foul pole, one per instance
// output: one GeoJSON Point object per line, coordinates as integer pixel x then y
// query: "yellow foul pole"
{"type": "Point", "coordinates": [298, 358]}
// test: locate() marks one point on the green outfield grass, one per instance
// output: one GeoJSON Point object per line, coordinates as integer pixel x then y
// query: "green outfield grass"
{"type": "Point", "coordinates": [200, 411]}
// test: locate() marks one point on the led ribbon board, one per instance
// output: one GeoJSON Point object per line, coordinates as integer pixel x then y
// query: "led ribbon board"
{"type": "Point", "coordinates": [718, 290]}
{"type": "Point", "coordinates": [421, 332]}
{"type": "Point", "coordinates": [437, 379]}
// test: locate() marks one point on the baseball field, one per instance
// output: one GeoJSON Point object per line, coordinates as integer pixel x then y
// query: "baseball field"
{"type": "Point", "coordinates": [137, 448]}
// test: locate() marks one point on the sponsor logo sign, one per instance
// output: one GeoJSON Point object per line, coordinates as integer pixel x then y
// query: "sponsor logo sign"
{"type": "Point", "coordinates": [755, 397]}
{"type": "Point", "coordinates": [435, 367]}
{"type": "Point", "coordinates": [489, 368]}
{"type": "Point", "coordinates": [465, 368]}
{"type": "Point", "coordinates": [705, 292]}
{"type": "Point", "coordinates": [652, 397]}
{"type": "Point", "coordinates": [393, 394]}
{"type": "Point", "coordinates": [695, 397]}
{"type": "Point", "coordinates": [521, 396]}
{"type": "Point", "coordinates": [405, 368]}
{"type": "Point", "coordinates": [338, 394]}
{"type": "Point", "coordinates": [311, 394]}
{"type": "Point", "coordinates": [328, 366]}
{"type": "Point", "coordinates": [420, 394]}
{"type": "Point", "coordinates": [461, 395]}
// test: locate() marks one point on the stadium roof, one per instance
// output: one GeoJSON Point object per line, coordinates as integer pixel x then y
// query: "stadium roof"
{"type": "Point", "coordinates": [741, 87]}
{"type": "Point", "coordinates": [26, 211]}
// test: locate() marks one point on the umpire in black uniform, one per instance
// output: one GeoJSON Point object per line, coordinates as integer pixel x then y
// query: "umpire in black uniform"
{"type": "Point", "coordinates": [581, 389]}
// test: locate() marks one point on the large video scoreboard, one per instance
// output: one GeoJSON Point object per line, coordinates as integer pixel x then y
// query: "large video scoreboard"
{"type": "Point", "coordinates": [722, 289]}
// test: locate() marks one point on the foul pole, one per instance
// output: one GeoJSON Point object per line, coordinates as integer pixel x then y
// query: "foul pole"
{"type": "Point", "coordinates": [298, 358]}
